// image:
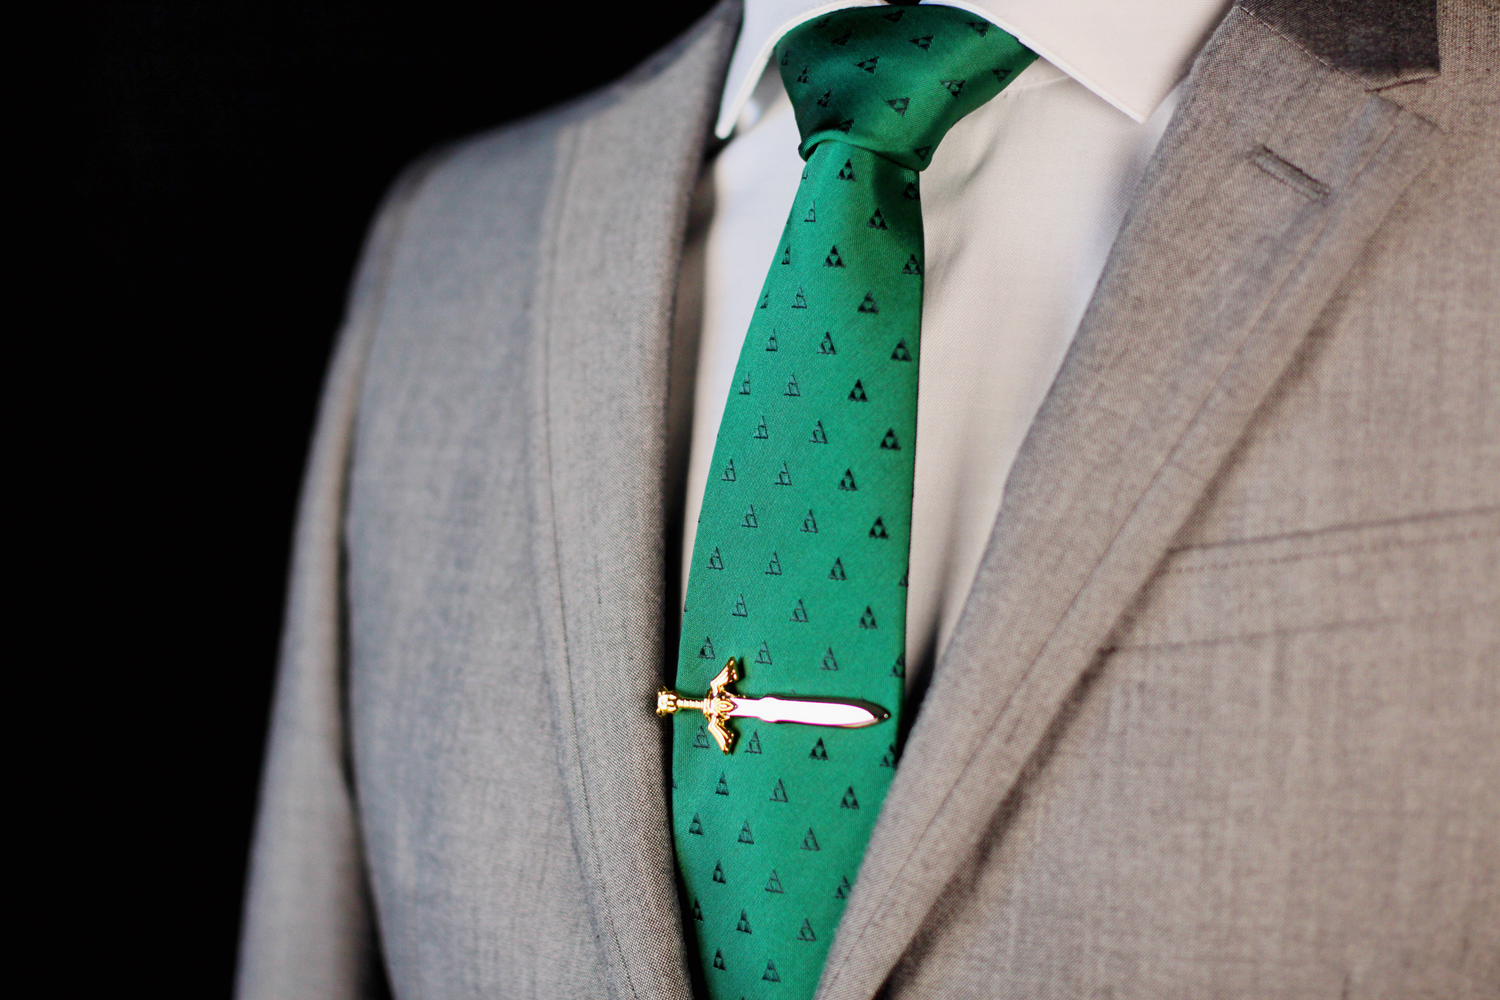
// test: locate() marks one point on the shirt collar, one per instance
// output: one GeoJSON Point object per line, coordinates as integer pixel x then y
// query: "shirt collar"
{"type": "Point", "coordinates": [1129, 52]}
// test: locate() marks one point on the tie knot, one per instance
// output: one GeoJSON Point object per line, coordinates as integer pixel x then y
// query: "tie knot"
{"type": "Point", "coordinates": [893, 80]}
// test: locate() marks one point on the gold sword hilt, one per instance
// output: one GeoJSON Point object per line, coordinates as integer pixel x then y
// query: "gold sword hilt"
{"type": "Point", "coordinates": [715, 706]}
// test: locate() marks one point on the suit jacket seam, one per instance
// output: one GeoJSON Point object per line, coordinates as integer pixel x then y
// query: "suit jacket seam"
{"type": "Point", "coordinates": [594, 861]}
{"type": "Point", "coordinates": [1363, 84]}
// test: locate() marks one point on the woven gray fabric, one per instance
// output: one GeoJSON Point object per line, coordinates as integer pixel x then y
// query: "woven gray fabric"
{"type": "Point", "coordinates": [1222, 713]}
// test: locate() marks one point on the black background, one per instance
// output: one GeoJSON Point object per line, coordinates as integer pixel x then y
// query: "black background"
{"type": "Point", "coordinates": [232, 154]}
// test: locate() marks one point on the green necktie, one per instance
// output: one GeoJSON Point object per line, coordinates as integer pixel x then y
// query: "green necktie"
{"type": "Point", "coordinates": [800, 560]}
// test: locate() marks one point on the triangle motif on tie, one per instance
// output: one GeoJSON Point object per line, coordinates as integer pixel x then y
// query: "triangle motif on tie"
{"type": "Point", "coordinates": [806, 525]}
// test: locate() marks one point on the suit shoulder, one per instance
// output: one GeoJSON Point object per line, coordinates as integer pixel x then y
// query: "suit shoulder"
{"type": "Point", "coordinates": [486, 188]}
{"type": "Point", "coordinates": [488, 170]}
{"type": "Point", "coordinates": [506, 160]}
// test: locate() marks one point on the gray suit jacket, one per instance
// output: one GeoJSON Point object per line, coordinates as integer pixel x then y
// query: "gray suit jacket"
{"type": "Point", "coordinates": [1222, 715]}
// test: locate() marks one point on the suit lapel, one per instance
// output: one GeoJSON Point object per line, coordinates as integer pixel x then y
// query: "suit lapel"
{"type": "Point", "coordinates": [611, 248]}
{"type": "Point", "coordinates": [1275, 171]}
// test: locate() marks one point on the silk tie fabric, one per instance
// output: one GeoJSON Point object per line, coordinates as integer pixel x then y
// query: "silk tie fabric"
{"type": "Point", "coordinates": [800, 557]}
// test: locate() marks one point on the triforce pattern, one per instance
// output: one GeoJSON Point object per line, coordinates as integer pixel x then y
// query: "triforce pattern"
{"type": "Point", "coordinates": [797, 583]}
{"type": "Point", "coordinates": [800, 557]}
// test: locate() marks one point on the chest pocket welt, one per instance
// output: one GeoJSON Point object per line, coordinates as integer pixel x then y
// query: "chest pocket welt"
{"type": "Point", "coordinates": [1428, 567]}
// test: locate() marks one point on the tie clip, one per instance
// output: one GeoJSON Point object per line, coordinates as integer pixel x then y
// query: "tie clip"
{"type": "Point", "coordinates": [720, 704]}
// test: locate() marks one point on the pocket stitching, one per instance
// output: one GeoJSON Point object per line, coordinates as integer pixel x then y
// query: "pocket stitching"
{"type": "Point", "coordinates": [1369, 548]}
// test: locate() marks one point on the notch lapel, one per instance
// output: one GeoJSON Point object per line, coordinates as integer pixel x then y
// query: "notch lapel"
{"type": "Point", "coordinates": [1275, 171]}
{"type": "Point", "coordinates": [611, 251]}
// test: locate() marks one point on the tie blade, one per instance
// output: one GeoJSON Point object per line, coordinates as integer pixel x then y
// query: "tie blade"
{"type": "Point", "coordinates": [845, 714]}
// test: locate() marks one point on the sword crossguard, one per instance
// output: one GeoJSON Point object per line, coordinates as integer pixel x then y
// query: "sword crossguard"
{"type": "Point", "coordinates": [715, 705]}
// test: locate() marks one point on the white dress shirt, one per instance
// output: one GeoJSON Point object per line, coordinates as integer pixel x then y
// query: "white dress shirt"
{"type": "Point", "coordinates": [1020, 206]}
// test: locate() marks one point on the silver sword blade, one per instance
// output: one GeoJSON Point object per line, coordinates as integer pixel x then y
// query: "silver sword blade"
{"type": "Point", "coordinates": [846, 714]}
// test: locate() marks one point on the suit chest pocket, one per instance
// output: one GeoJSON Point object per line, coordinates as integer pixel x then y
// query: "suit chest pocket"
{"type": "Point", "coordinates": [1420, 570]}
